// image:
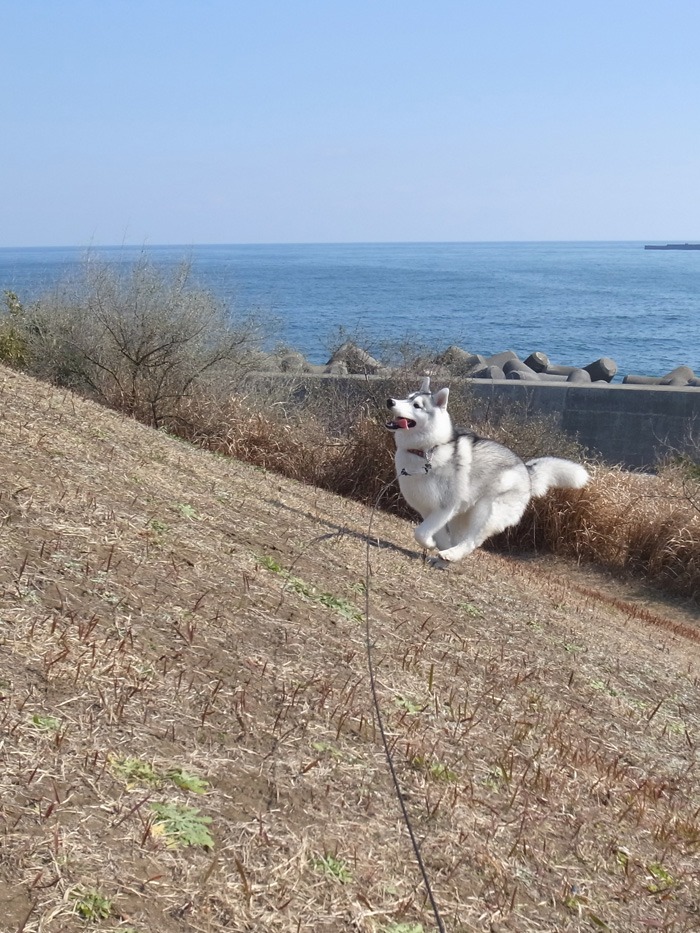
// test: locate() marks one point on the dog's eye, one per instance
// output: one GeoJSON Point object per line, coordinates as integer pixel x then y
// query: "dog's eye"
{"type": "Point", "coordinates": [417, 405]}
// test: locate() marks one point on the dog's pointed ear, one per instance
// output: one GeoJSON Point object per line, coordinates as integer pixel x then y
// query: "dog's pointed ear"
{"type": "Point", "coordinates": [440, 398]}
{"type": "Point", "coordinates": [425, 384]}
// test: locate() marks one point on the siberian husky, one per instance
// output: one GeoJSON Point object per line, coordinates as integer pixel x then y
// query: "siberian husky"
{"type": "Point", "coordinates": [466, 488]}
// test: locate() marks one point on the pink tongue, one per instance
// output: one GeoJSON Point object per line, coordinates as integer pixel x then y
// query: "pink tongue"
{"type": "Point", "coordinates": [402, 422]}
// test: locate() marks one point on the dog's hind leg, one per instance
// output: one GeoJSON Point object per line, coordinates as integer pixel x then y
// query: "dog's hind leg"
{"type": "Point", "coordinates": [470, 529]}
{"type": "Point", "coordinates": [488, 517]}
{"type": "Point", "coordinates": [466, 530]}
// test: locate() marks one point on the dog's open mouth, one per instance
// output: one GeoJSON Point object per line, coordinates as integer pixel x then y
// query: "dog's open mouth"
{"type": "Point", "coordinates": [401, 424]}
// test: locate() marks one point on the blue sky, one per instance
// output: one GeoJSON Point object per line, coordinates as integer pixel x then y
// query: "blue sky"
{"type": "Point", "coordinates": [253, 121]}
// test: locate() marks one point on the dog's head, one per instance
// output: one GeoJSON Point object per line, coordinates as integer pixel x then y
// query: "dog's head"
{"type": "Point", "coordinates": [421, 418]}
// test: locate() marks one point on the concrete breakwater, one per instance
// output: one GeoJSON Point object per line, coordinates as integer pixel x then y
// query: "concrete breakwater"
{"type": "Point", "coordinates": [350, 359]}
{"type": "Point", "coordinates": [635, 423]}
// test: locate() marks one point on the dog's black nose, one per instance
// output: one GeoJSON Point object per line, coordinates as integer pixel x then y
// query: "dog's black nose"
{"type": "Point", "coordinates": [390, 403]}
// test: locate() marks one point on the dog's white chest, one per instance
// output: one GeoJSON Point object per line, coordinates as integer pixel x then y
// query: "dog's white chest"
{"type": "Point", "coordinates": [423, 482]}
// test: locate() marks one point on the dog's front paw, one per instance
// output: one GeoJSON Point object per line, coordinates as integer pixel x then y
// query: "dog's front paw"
{"type": "Point", "coordinates": [426, 541]}
{"type": "Point", "coordinates": [455, 553]}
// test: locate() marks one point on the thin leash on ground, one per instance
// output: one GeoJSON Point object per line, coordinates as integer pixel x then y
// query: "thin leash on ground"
{"type": "Point", "coordinates": [380, 724]}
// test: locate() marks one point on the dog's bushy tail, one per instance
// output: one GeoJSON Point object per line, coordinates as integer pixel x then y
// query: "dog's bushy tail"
{"type": "Point", "coordinates": [554, 472]}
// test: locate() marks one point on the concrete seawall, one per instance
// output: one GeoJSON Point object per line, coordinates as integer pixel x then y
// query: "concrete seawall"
{"type": "Point", "coordinates": [626, 424]}
{"type": "Point", "coordinates": [630, 425]}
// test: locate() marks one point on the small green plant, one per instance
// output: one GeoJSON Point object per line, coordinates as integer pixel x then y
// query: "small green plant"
{"type": "Point", "coordinates": [186, 511]}
{"type": "Point", "coordinates": [604, 687]}
{"type": "Point", "coordinates": [158, 527]}
{"type": "Point", "coordinates": [434, 769]}
{"type": "Point", "coordinates": [183, 825]}
{"type": "Point", "coordinates": [269, 563]}
{"type": "Point", "coordinates": [333, 867]}
{"type": "Point", "coordinates": [326, 748]}
{"type": "Point", "coordinates": [470, 609]}
{"type": "Point", "coordinates": [46, 723]}
{"type": "Point", "coordinates": [661, 881]}
{"type": "Point", "coordinates": [186, 781]}
{"type": "Point", "coordinates": [440, 772]}
{"type": "Point", "coordinates": [410, 706]}
{"type": "Point", "coordinates": [342, 606]}
{"type": "Point", "coordinates": [404, 928]}
{"type": "Point", "coordinates": [91, 905]}
{"type": "Point", "coordinates": [134, 771]}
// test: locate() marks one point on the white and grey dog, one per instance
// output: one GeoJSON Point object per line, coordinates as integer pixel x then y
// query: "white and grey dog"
{"type": "Point", "coordinates": [465, 487]}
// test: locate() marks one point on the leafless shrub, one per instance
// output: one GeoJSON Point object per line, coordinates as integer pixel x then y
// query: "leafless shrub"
{"type": "Point", "coordinates": [641, 524]}
{"type": "Point", "coordinates": [140, 341]}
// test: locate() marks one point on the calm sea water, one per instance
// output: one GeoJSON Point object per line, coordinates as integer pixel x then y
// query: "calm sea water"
{"type": "Point", "coordinates": [574, 301]}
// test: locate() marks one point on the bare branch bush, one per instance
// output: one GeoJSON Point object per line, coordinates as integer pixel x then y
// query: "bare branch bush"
{"type": "Point", "coordinates": [140, 340]}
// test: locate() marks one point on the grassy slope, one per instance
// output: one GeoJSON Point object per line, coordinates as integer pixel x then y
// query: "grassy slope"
{"type": "Point", "coordinates": [168, 609]}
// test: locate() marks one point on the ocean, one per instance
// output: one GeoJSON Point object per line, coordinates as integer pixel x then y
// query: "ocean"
{"type": "Point", "coordinates": [575, 302]}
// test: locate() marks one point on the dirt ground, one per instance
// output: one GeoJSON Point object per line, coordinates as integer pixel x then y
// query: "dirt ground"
{"type": "Point", "coordinates": [187, 734]}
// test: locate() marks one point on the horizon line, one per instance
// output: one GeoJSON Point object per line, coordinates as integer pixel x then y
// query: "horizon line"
{"type": "Point", "coordinates": [192, 245]}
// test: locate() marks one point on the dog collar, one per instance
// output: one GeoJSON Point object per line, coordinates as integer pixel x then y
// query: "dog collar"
{"type": "Point", "coordinates": [425, 454]}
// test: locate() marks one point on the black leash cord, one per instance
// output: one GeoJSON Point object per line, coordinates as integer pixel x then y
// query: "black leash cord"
{"type": "Point", "coordinates": [380, 724]}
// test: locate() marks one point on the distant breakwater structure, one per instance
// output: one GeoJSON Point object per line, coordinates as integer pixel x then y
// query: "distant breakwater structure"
{"type": "Point", "coordinates": [352, 360]}
{"type": "Point", "coordinates": [674, 246]}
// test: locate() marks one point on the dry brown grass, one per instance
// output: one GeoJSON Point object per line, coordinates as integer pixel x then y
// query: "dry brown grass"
{"type": "Point", "coordinates": [166, 610]}
{"type": "Point", "coordinates": [638, 524]}
{"type": "Point", "coordinates": [355, 461]}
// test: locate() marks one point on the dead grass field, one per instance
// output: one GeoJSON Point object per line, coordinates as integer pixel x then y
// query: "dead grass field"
{"type": "Point", "coordinates": [187, 740]}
